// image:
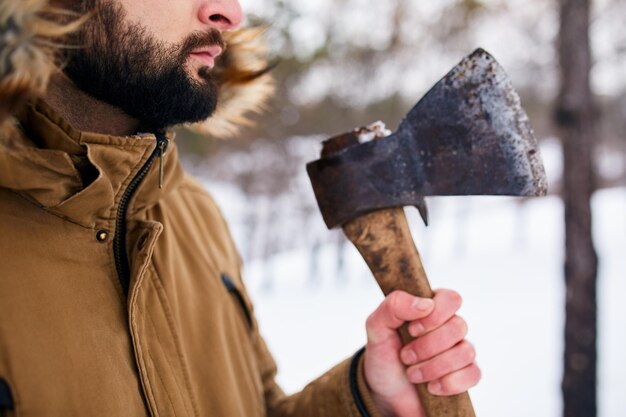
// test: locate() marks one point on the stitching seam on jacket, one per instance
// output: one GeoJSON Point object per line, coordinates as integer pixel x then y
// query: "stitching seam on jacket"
{"type": "Point", "coordinates": [163, 298]}
{"type": "Point", "coordinates": [137, 342]}
{"type": "Point", "coordinates": [145, 382]}
{"type": "Point", "coordinates": [163, 385]}
{"type": "Point", "coordinates": [172, 370]}
{"type": "Point", "coordinates": [39, 206]}
{"type": "Point", "coordinates": [346, 395]}
{"type": "Point", "coordinates": [167, 358]}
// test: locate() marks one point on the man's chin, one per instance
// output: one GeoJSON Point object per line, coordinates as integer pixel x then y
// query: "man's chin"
{"type": "Point", "coordinates": [198, 72]}
{"type": "Point", "coordinates": [188, 111]}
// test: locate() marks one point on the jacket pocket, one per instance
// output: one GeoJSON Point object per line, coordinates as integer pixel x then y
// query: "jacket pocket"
{"type": "Point", "coordinates": [6, 399]}
{"type": "Point", "coordinates": [236, 292]}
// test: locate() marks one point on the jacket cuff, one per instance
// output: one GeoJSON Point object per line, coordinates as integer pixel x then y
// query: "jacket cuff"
{"type": "Point", "coordinates": [358, 387]}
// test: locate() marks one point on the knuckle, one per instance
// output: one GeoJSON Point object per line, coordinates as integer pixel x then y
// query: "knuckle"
{"type": "Point", "coordinates": [417, 350]}
{"type": "Point", "coordinates": [456, 298]}
{"type": "Point", "coordinates": [394, 299]}
{"type": "Point", "coordinates": [432, 370]}
{"type": "Point", "coordinates": [372, 329]}
{"type": "Point", "coordinates": [460, 327]}
{"type": "Point", "coordinates": [476, 375]}
{"type": "Point", "coordinates": [454, 388]}
{"type": "Point", "coordinates": [370, 322]}
{"type": "Point", "coordinates": [468, 351]}
{"type": "Point", "coordinates": [467, 379]}
{"type": "Point", "coordinates": [461, 381]}
{"type": "Point", "coordinates": [415, 374]}
{"type": "Point", "coordinates": [428, 374]}
{"type": "Point", "coordinates": [452, 296]}
{"type": "Point", "coordinates": [416, 328]}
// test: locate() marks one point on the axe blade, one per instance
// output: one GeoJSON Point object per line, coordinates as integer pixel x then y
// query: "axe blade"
{"type": "Point", "coordinates": [473, 136]}
{"type": "Point", "coordinates": [469, 135]}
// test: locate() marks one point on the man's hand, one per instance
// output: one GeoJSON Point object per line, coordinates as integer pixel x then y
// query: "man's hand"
{"type": "Point", "coordinates": [439, 355]}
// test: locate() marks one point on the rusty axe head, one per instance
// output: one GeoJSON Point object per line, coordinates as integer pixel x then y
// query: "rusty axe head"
{"type": "Point", "coordinates": [469, 135]}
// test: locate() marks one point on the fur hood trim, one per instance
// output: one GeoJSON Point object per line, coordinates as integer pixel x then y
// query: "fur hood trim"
{"type": "Point", "coordinates": [28, 58]}
{"type": "Point", "coordinates": [245, 83]}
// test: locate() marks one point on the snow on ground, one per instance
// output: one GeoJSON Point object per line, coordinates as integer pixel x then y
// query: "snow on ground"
{"type": "Point", "coordinates": [503, 255]}
{"type": "Point", "coordinates": [505, 258]}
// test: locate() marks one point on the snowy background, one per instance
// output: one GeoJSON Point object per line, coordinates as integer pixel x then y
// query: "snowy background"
{"type": "Point", "coordinates": [349, 62]}
{"type": "Point", "coordinates": [503, 255]}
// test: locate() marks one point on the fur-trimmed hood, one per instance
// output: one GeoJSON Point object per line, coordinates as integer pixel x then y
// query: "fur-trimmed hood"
{"type": "Point", "coordinates": [28, 52]}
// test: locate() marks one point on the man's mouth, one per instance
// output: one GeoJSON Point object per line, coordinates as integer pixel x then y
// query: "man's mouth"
{"type": "Point", "coordinates": [207, 55]}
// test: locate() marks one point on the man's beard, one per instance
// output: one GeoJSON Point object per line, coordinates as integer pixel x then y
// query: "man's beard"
{"type": "Point", "coordinates": [120, 63]}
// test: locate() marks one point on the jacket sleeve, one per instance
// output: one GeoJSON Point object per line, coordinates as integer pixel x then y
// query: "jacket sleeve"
{"type": "Point", "coordinates": [340, 392]}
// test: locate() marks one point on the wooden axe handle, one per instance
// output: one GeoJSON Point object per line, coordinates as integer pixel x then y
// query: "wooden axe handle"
{"type": "Point", "coordinates": [384, 240]}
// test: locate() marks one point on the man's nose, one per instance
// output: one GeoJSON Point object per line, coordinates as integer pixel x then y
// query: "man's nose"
{"type": "Point", "coordinates": [222, 15]}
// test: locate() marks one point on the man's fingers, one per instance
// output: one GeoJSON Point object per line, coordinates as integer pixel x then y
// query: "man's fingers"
{"type": "Point", "coordinates": [435, 342]}
{"type": "Point", "coordinates": [457, 358]}
{"type": "Point", "coordinates": [447, 303]}
{"type": "Point", "coordinates": [397, 308]}
{"type": "Point", "coordinates": [456, 382]}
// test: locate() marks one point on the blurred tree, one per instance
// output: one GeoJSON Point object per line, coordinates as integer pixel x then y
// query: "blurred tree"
{"type": "Point", "coordinates": [575, 118]}
{"type": "Point", "coordinates": [345, 63]}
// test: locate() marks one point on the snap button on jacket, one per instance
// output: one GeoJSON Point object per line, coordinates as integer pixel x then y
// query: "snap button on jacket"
{"type": "Point", "coordinates": [183, 342]}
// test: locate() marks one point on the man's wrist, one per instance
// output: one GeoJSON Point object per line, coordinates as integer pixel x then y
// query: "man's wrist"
{"type": "Point", "coordinates": [363, 396]}
{"type": "Point", "coordinates": [354, 385]}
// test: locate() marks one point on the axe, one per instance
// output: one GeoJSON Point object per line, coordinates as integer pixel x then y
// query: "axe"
{"type": "Point", "coordinates": [469, 135]}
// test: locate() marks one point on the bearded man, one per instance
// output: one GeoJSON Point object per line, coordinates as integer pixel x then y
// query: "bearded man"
{"type": "Point", "coordinates": [120, 287]}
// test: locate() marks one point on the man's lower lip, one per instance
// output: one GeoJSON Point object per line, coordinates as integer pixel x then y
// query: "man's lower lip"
{"type": "Point", "coordinates": [206, 58]}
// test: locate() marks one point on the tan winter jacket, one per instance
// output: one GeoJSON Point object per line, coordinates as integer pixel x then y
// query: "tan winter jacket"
{"type": "Point", "coordinates": [117, 297]}
{"type": "Point", "coordinates": [184, 342]}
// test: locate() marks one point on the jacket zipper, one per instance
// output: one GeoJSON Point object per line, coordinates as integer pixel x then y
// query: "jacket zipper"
{"type": "Point", "coordinates": [119, 243]}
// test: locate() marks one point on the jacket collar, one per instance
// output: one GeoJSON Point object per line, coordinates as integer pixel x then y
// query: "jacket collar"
{"type": "Point", "coordinates": [78, 175]}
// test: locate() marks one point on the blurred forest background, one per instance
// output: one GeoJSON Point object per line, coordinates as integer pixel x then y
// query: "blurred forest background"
{"type": "Point", "coordinates": [347, 63]}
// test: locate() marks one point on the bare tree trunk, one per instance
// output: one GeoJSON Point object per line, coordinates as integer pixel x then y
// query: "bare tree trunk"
{"type": "Point", "coordinates": [575, 118]}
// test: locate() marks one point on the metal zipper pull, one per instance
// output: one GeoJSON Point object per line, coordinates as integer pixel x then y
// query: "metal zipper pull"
{"type": "Point", "coordinates": [162, 145]}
